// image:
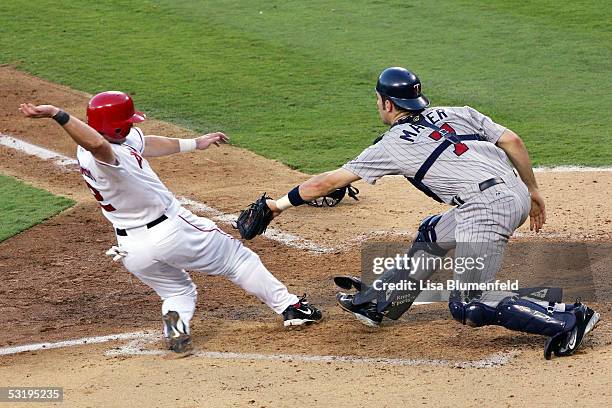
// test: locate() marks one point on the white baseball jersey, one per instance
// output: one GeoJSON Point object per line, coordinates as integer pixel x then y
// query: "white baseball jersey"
{"type": "Point", "coordinates": [131, 196]}
{"type": "Point", "coordinates": [130, 193]}
{"type": "Point", "coordinates": [441, 162]}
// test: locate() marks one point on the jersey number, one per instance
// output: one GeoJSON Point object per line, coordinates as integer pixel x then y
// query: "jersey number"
{"type": "Point", "coordinates": [459, 147]}
{"type": "Point", "coordinates": [98, 196]}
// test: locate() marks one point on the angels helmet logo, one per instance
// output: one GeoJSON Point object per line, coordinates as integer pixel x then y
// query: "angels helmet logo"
{"type": "Point", "coordinates": [417, 88]}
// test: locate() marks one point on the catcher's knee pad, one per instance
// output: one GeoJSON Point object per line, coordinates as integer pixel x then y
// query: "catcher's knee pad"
{"type": "Point", "coordinates": [473, 314]}
{"type": "Point", "coordinates": [427, 234]}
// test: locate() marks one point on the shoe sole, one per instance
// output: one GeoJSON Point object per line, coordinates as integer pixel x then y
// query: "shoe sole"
{"type": "Point", "coordinates": [299, 322]}
{"type": "Point", "coordinates": [362, 319]}
{"type": "Point", "coordinates": [592, 324]}
{"type": "Point", "coordinates": [180, 345]}
{"type": "Point", "coordinates": [365, 320]}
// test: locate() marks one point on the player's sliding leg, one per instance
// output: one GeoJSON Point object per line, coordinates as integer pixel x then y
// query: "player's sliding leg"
{"type": "Point", "coordinates": [205, 248]}
{"type": "Point", "coordinates": [249, 273]}
{"type": "Point", "coordinates": [435, 238]}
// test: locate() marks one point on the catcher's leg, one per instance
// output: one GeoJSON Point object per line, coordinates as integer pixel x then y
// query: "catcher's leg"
{"type": "Point", "coordinates": [564, 325]}
{"type": "Point", "coordinates": [484, 227]}
{"type": "Point", "coordinates": [434, 238]}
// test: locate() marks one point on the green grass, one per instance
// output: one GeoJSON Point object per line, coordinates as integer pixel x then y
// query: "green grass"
{"type": "Point", "coordinates": [293, 80]}
{"type": "Point", "coordinates": [23, 206]}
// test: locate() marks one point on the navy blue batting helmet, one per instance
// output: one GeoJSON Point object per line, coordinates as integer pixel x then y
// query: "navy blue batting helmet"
{"type": "Point", "coordinates": [403, 88]}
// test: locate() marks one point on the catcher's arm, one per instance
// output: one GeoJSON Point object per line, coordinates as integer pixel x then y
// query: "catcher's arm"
{"type": "Point", "coordinates": [255, 219]}
{"type": "Point", "coordinates": [156, 146]}
{"type": "Point", "coordinates": [317, 186]}
{"type": "Point", "coordinates": [514, 147]}
{"type": "Point", "coordinates": [79, 131]}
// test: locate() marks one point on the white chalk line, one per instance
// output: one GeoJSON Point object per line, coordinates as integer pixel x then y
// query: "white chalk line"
{"type": "Point", "coordinates": [274, 234]}
{"type": "Point", "coordinates": [71, 343]}
{"type": "Point", "coordinates": [139, 340]}
{"type": "Point", "coordinates": [33, 150]}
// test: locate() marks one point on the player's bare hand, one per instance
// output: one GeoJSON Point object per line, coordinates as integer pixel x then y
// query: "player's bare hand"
{"type": "Point", "coordinates": [272, 206]}
{"type": "Point", "coordinates": [216, 138]}
{"type": "Point", "coordinates": [537, 215]}
{"type": "Point", "coordinates": [41, 111]}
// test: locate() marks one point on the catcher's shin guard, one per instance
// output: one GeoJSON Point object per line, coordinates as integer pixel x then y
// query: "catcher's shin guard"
{"type": "Point", "coordinates": [513, 313]}
{"type": "Point", "coordinates": [393, 304]}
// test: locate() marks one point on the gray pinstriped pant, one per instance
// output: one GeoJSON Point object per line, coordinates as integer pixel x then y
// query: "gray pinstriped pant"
{"type": "Point", "coordinates": [483, 225]}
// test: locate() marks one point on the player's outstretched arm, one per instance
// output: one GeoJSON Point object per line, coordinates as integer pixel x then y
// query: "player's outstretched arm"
{"type": "Point", "coordinates": [156, 146]}
{"type": "Point", "coordinates": [324, 183]}
{"type": "Point", "coordinates": [514, 147]}
{"type": "Point", "coordinates": [78, 130]}
{"type": "Point", "coordinates": [317, 186]}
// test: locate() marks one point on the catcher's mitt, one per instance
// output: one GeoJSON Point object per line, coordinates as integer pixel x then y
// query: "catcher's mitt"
{"type": "Point", "coordinates": [333, 198]}
{"type": "Point", "coordinates": [254, 220]}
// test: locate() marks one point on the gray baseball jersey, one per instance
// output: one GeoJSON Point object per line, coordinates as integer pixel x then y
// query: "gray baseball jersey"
{"type": "Point", "coordinates": [442, 162]}
{"type": "Point", "coordinates": [446, 152]}
{"type": "Point", "coordinates": [449, 153]}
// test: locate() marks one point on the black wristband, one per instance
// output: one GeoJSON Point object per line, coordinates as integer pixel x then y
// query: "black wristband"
{"type": "Point", "coordinates": [294, 197]}
{"type": "Point", "coordinates": [61, 117]}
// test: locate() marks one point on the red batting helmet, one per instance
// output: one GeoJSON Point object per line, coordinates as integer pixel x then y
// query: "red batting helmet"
{"type": "Point", "coordinates": [112, 113]}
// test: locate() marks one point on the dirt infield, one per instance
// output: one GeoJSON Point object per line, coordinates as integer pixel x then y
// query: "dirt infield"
{"type": "Point", "coordinates": [58, 285]}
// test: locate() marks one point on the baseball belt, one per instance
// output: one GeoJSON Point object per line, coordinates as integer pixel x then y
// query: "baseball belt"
{"type": "Point", "coordinates": [123, 233]}
{"type": "Point", "coordinates": [482, 186]}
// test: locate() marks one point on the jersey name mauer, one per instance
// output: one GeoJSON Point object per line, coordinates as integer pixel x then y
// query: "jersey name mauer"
{"type": "Point", "coordinates": [405, 148]}
{"type": "Point", "coordinates": [129, 193]}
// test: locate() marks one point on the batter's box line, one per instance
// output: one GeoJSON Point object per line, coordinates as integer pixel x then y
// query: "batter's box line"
{"type": "Point", "coordinates": [138, 347]}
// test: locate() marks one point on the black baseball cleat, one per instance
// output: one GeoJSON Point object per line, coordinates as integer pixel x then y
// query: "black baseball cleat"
{"type": "Point", "coordinates": [566, 343]}
{"type": "Point", "coordinates": [365, 313]}
{"type": "Point", "coordinates": [301, 313]}
{"type": "Point", "coordinates": [177, 339]}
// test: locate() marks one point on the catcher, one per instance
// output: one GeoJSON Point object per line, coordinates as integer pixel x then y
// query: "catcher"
{"type": "Point", "coordinates": [458, 156]}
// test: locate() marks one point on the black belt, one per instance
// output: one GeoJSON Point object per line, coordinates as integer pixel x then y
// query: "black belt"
{"type": "Point", "coordinates": [482, 186]}
{"type": "Point", "coordinates": [123, 233]}
{"type": "Point", "coordinates": [490, 183]}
